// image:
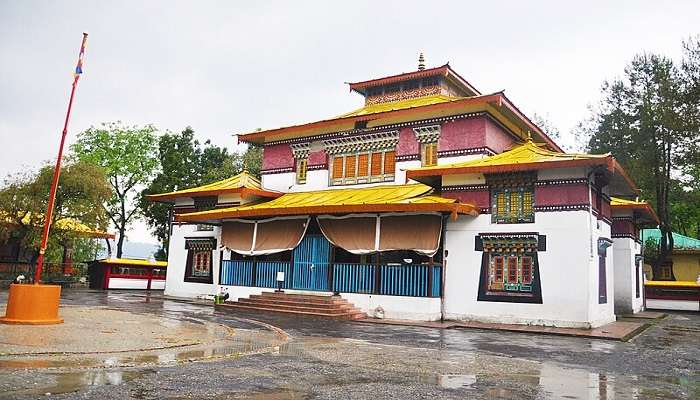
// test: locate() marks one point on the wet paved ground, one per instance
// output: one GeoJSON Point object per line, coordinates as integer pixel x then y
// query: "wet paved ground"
{"type": "Point", "coordinates": [325, 359]}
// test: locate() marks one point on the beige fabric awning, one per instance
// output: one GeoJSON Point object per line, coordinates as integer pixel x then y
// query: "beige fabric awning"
{"type": "Point", "coordinates": [248, 237]}
{"type": "Point", "coordinates": [361, 234]}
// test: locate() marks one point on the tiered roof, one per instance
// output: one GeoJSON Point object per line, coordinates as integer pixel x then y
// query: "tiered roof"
{"type": "Point", "coordinates": [444, 70]}
{"type": "Point", "coordinates": [642, 207]}
{"type": "Point", "coordinates": [244, 184]}
{"type": "Point", "coordinates": [388, 198]}
{"type": "Point", "coordinates": [461, 99]}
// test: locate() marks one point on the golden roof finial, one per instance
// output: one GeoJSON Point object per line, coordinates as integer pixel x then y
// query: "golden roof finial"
{"type": "Point", "coordinates": [421, 62]}
{"type": "Point", "coordinates": [529, 136]}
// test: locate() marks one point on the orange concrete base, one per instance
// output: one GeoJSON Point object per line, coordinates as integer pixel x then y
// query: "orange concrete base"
{"type": "Point", "coordinates": [33, 305]}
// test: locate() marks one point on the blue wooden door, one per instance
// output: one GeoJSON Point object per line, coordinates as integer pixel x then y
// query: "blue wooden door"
{"type": "Point", "coordinates": [311, 259]}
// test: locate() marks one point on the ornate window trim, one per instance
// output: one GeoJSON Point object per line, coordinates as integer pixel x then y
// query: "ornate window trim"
{"type": "Point", "coordinates": [199, 265]}
{"type": "Point", "coordinates": [510, 267]}
{"type": "Point", "coordinates": [512, 197]}
{"type": "Point", "coordinates": [301, 150]}
{"type": "Point", "coordinates": [371, 142]}
{"type": "Point", "coordinates": [427, 134]}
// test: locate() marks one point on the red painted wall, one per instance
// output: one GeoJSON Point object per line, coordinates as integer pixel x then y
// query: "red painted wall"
{"type": "Point", "coordinates": [463, 134]}
{"type": "Point", "coordinates": [277, 156]}
{"type": "Point", "coordinates": [318, 157]}
{"type": "Point", "coordinates": [497, 139]}
{"type": "Point", "coordinates": [561, 195]}
{"type": "Point", "coordinates": [479, 198]}
{"type": "Point", "coordinates": [620, 227]}
{"type": "Point", "coordinates": [408, 145]}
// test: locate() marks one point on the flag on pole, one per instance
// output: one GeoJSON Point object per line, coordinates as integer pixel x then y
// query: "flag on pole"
{"type": "Point", "coordinates": [79, 67]}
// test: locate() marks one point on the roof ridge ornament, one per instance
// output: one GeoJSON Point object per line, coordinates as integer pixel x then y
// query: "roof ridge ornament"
{"type": "Point", "coordinates": [421, 62]}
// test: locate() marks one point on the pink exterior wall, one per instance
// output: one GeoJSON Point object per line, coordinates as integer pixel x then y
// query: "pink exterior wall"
{"type": "Point", "coordinates": [463, 134]}
{"type": "Point", "coordinates": [497, 139]}
{"type": "Point", "coordinates": [408, 145]}
{"type": "Point", "coordinates": [479, 198]}
{"type": "Point", "coordinates": [277, 156]}
{"type": "Point", "coordinates": [561, 195]}
{"type": "Point", "coordinates": [318, 158]}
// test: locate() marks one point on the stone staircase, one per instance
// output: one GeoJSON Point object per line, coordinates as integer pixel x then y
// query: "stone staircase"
{"type": "Point", "coordinates": [325, 306]}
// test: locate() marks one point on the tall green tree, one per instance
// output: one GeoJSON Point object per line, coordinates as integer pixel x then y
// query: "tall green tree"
{"type": "Point", "coordinates": [641, 121]}
{"type": "Point", "coordinates": [185, 162]}
{"type": "Point", "coordinates": [128, 155]}
{"type": "Point", "coordinates": [23, 202]}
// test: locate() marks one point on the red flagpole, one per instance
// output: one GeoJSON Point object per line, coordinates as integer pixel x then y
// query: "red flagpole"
{"type": "Point", "coordinates": [57, 170]}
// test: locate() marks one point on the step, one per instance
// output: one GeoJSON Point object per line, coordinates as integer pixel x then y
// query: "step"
{"type": "Point", "coordinates": [294, 307]}
{"type": "Point", "coordinates": [320, 297]}
{"type": "Point", "coordinates": [292, 300]}
{"type": "Point", "coordinates": [346, 315]}
{"type": "Point", "coordinates": [283, 303]}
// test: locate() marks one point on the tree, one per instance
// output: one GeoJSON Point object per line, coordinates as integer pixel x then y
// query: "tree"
{"type": "Point", "coordinates": [128, 155]}
{"type": "Point", "coordinates": [641, 121]}
{"type": "Point", "coordinates": [23, 202]}
{"type": "Point", "coordinates": [547, 126]}
{"type": "Point", "coordinates": [184, 163]}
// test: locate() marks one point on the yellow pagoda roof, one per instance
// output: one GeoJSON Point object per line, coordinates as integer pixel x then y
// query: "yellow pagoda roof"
{"type": "Point", "coordinates": [387, 198]}
{"type": "Point", "coordinates": [526, 156]}
{"type": "Point", "coordinates": [64, 224]}
{"type": "Point", "coordinates": [243, 183]}
{"type": "Point", "coordinates": [134, 261]}
{"type": "Point", "coordinates": [497, 105]}
{"type": "Point", "coordinates": [400, 105]}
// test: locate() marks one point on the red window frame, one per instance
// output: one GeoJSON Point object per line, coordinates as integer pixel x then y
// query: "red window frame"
{"type": "Point", "coordinates": [498, 269]}
{"type": "Point", "coordinates": [512, 269]}
{"type": "Point", "coordinates": [526, 270]}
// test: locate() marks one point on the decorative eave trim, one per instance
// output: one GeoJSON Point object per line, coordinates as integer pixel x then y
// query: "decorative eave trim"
{"type": "Point", "coordinates": [560, 182]}
{"type": "Point", "coordinates": [408, 157]}
{"type": "Point", "coordinates": [380, 128]}
{"type": "Point", "coordinates": [316, 167]}
{"type": "Point", "coordinates": [465, 188]}
{"type": "Point", "coordinates": [367, 142]}
{"type": "Point", "coordinates": [276, 171]}
{"type": "Point", "coordinates": [472, 150]}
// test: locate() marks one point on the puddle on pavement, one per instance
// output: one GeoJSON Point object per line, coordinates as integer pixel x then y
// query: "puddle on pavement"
{"type": "Point", "coordinates": [67, 382]}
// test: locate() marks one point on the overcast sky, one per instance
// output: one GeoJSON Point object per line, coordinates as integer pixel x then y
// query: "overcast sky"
{"type": "Point", "coordinates": [233, 66]}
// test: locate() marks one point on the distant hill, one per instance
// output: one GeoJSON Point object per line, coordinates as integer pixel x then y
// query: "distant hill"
{"type": "Point", "coordinates": [132, 250]}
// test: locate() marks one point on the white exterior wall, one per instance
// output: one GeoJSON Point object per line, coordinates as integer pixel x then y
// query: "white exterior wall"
{"type": "Point", "coordinates": [565, 268]}
{"type": "Point", "coordinates": [626, 301]}
{"type": "Point", "coordinates": [600, 314]}
{"type": "Point", "coordinates": [124, 283]}
{"type": "Point", "coordinates": [175, 284]}
{"type": "Point", "coordinates": [396, 307]}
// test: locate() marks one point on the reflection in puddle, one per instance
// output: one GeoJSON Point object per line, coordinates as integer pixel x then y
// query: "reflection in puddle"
{"type": "Point", "coordinates": [67, 382]}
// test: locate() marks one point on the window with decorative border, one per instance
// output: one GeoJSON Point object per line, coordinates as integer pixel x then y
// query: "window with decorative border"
{"type": "Point", "coordinates": [510, 268]}
{"type": "Point", "coordinates": [512, 197]}
{"type": "Point", "coordinates": [428, 154]}
{"type": "Point", "coordinates": [428, 137]}
{"type": "Point", "coordinates": [301, 168]}
{"type": "Point", "coordinates": [198, 268]}
{"type": "Point", "coordinates": [370, 167]}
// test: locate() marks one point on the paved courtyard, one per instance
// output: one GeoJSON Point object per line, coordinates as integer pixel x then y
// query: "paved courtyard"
{"type": "Point", "coordinates": [268, 356]}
